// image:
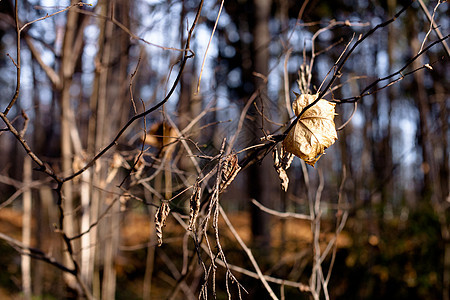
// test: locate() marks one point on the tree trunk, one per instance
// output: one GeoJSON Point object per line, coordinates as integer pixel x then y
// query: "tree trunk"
{"type": "Point", "coordinates": [112, 106]}
{"type": "Point", "coordinates": [67, 68]}
{"type": "Point", "coordinates": [95, 138]}
{"type": "Point", "coordinates": [433, 190]}
{"type": "Point", "coordinates": [261, 177]}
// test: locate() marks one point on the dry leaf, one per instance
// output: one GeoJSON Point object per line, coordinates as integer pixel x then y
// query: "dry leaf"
{"type": "Point", "coordinates": [160, 220]}
{"type": "Point", "coordinates": [315, 130]}
{"type": "Point", "coordinates": [160, 134]}
{"type": "Point", "coordinates": [114, 166]}
{"type": "Point", "coordinates": [194, 206]}
{"type": "Point", "coordinates": [230, 168]}
{"type": "Point", "coordinates": [282, 162]}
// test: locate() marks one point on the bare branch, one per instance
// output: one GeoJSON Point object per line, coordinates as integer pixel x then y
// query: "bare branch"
{"type": "Point", "coordinates": [207, 47]}
{"type": "Point", "coordinates": [367, 90]}
{"type": "Point", "coordinates": [54, 14]}
{"type": "Point", "coordinates": [433, 26]}
{"type": "Point", "coordinates": [127, 31]}
{"type": "Point", "coordinates": [150, 110]}
{"type": "Point", "coordinates": [18, 33]}
{"type": "Point", "coordinates": [17, 63]}
{"type": "Point", "coordinates": [283, 215]}
{"type": "Point", "coordinates": [42, 166]}
{"type": "Point", "coordinates": [35, 253]}
{"type": "Point", "coordinates": [248, 252]}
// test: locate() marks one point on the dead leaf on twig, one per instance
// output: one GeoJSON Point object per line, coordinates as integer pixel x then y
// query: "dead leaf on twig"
{"type": "Point", "coordinates": [282, 162]}
{"type": "Point", "coordinates": [230, 168]}
{"type": "Point", "coordinates": [160, 220]}
{"type": "Point", "coordinates": [315, 130]}
{"type": "Point", "coordinates": [194, 206]}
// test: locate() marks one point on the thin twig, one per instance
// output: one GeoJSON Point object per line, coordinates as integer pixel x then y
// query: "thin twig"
{"type": "Point", "coordinates": [299, 18]}
{"type": "Point", "coordinates": [207, 47]}
{"type": "Point", "coordinates": [283, 215]}
{"type": "Point", "coordinates": [367, 90]}
{"type": "Point", "coordinates": [301, 286]}
{"type": "Point", "coordinates": [341, 219]}
{"type": "Point", "coordinates": [339, 65]}
{"type": "Point", "coordinates": [332, 24]}
{"type": "Point", "coordinates": [262, 151]}
{"type": "Point", "coordinates": [54, 14]}
{"type": "Point", "coordinates": [248, 252]}
{"type": "Point", "coordinates": [127, 31]}
{"type": "Point", "coordinates": [17, 64]}
{"type": "Point", "coordinates": [20, 189]}
{"type": "Point", "coordinates": [35, 253]}
{"type": "Point", "coordinates": [150, 110]}
{"type": "Point", "coordinates": [286, 84]}
{"type": "Point", "coordinates": [355, 106]}
{"type": "Point", "coordinates": [241, 121]}
{"type": "Point", "coordinates": [42, 166]}
{"type": "Point", "coordinates": [435, 28]}
{"type": "Point", "coordinates": [18, 46]}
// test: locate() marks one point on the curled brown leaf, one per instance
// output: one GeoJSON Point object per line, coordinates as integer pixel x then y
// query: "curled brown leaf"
{"type": "Point", "coordinates": [229, 170]}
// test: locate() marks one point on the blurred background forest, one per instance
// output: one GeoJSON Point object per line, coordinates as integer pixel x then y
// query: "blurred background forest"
{"type": "Point", "coordinates": [374, 210]}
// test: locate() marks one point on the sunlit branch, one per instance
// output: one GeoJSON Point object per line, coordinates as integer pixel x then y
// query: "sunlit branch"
{"type": "Point", "coordinates": [279, 214]}
{"type": "Point", "coordinates": [207, 47]}
{"type": "Point", "coordinates": [248, 252]}
{"type": "Point", "coordinates": [433, 26]}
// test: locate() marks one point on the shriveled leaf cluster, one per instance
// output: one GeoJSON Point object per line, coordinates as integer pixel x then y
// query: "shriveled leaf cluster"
{"type": "Point", "coordinates": [315, 130]}
{"type": "Point", "coordinates": [282, 162]}
{"type": "Point", "coordinates": [160, 220]}
{"type": "Point", "coordinates": [194, 204]}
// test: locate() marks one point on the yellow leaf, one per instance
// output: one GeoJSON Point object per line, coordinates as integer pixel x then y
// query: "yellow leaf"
{"type": "Point", "coordinates": [315, 130]}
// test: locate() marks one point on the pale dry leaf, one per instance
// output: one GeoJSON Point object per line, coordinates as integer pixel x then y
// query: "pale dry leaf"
{"type": "Point", "coordinates": [114, 166]}
{"type": "Point", "coordinates": [286, 158]}
{"type": "Point", "coordinates": [194, 206]}
{"type": "Point", "coordinates": [315, 130]}
{"type": "Point", "coordinates": [160, 220]}
{"type": "Point", "coordinates": [282, 162]}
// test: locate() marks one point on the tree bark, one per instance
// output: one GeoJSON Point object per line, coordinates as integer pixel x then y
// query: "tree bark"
{"type": "Point", "coordinates": [261, 177]}
{"type": "Point", "coordinates": [67, 69]}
